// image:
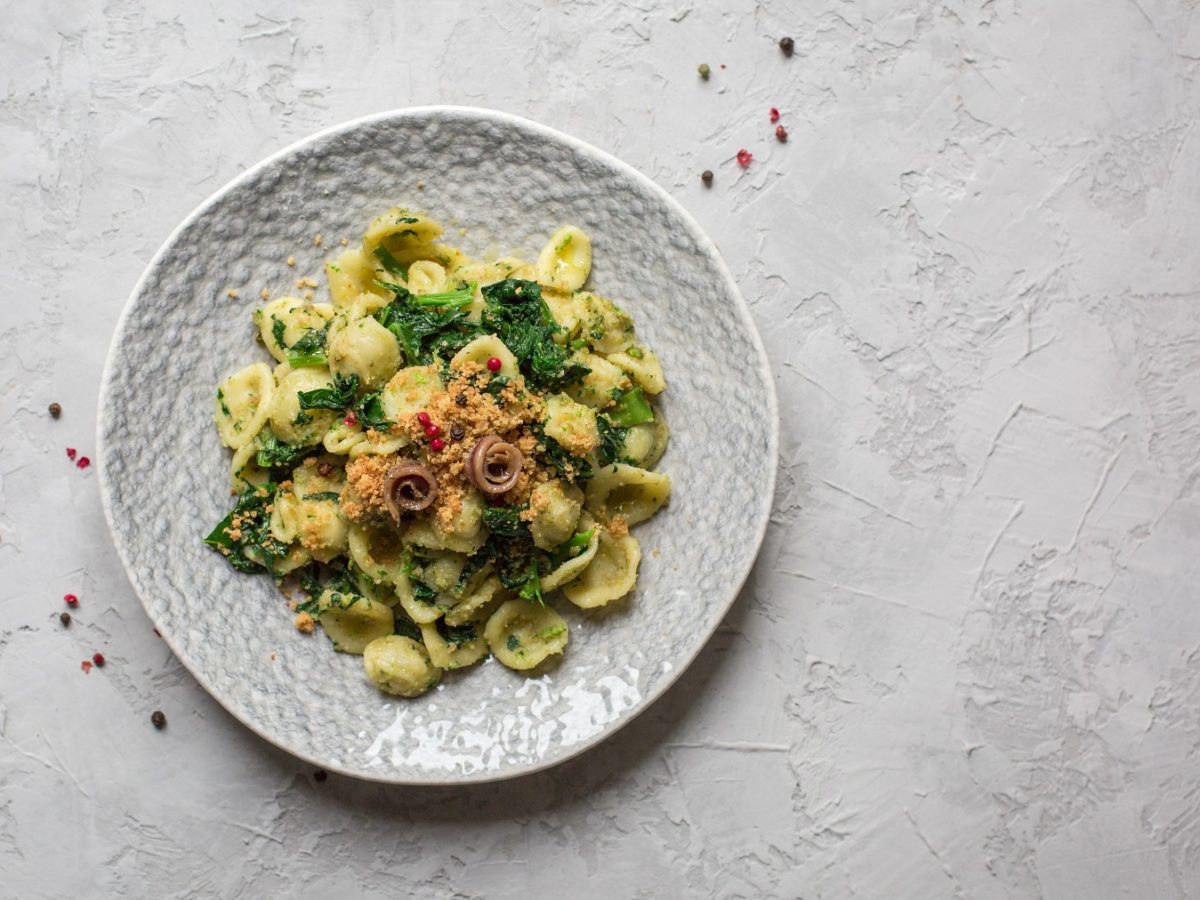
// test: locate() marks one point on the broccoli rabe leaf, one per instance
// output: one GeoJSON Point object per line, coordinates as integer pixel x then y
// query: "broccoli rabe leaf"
{"type": "Point", "coordinates": [369, 411]}
{"type": "Point", "coordinates": [516, 312]}
{"type": "Point", "coordinates": [309, 351]}
{"type": "Point", "coordinates": [274, 452]}
{"type": "Point", "coordinates": [505, 522]}
{"type": "Point", "coordinates": [244, 536]}
{"type": "Point", "coordinates": [390, 263]}
{"type": "Point", "coordinates": [425, 331]}
{"type": "Point", "coordinates": [555, 454]}
{"type": "Point", "coordinates": [338, 397]}
{"type": "Point", "coordinates": [612, 441]}
{"type": "Point", "coordinates": [456, 634]}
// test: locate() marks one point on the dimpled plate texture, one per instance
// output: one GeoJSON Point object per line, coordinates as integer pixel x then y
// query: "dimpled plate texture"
{"type": "Point", "coordinates": [510, 183]}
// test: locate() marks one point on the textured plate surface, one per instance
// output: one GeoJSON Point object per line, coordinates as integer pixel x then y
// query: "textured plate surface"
{"type": "Point", "coordinates": [510, 183]}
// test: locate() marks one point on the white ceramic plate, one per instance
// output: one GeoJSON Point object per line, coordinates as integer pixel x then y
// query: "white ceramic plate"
{"type": "Point", "coordinates": [510, 182]}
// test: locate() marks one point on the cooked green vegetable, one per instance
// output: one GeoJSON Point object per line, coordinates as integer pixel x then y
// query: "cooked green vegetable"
{"type": "Point", "coordinates": [505, 522]}
{"type": "Point", "coordinates": [309, 351]}
{"type": "Point", "coordinates": [517, 313]}
{"type": "Point", "coordinates": [389, 262]}
{"type": "Point", "coordinates": [338, 397]}
{"type": "Point", "coordinates": [612, 440]}
{"type": "Point", "coordinates": [244, 536]}
{"type": "Point", "coordinates": [631, 408]}
{"type": "Point", "coordinates": [274, 452]}
{"type": "Point", "coordinates": [425, 331]}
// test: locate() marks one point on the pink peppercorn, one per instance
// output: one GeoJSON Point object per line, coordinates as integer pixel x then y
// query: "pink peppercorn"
{"type": "Point", "coordinates": [432, 430]}
{"type": "Point", "coordinates": [494, 364]}
{"type": "Point", "coordinates": [71, 600]}
{"type": "Point", "coordinates": [351, 419]}
{"type": "Point", "coordinates": [98, 658]}
{"type": "Point", "coordinates": [774, 114]}
{"type": "Point", "coordinates": [423, 418]}
{"type": "Point", "coordinates": [437, 445]}
{"type": "Point", "coordinates": [744, 157]}
{"type": "Point", "coordinates": [84, 462]}
{"type": "Point", "coordinates": [70, 453]}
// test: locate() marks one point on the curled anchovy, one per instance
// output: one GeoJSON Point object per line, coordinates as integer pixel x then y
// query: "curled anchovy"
{"type": "Point", "coordinates": [408, 487]}
{"type": "Point", "coordinates": [494, 465]}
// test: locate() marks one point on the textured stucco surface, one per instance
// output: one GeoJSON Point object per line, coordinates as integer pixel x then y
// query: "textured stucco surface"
{"type": "Point", "coordinates": [968, 661]}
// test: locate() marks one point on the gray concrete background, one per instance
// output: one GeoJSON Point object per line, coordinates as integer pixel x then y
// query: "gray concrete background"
{"type": "Point", "coordinates": [968, 661]}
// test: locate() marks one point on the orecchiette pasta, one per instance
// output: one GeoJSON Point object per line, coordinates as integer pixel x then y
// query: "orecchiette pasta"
{"type": "Point", "coordinates": [611, 574]}
{"type": "Point", "coordinates": [566, 260]}
{"type": "Point", "coordinates": [442, 450]}
{"type": "Point", "coordinates": [523, 636]}
{"type": "Point", "coordinates": [243, 403]}
{"type": "Point", "coordinates": [632, 493]}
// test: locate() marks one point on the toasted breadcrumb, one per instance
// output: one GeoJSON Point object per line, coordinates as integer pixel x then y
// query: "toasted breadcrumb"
{"type": "Point", "coordinates": [618, 526]}
{"type": "Point", "coordinates": [291, 260]}
{"type": "Point", "coordinates": [265, 294]}
{"type": "Point", "coordinates": [232, 292]}
{"type": "Point", "coordinates": [318, 240]}
{"type": "Point", "coordinates": [305, 622]}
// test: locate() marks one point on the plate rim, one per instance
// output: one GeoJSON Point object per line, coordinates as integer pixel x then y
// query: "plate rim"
{"type": "Point", "coordinates": [580, 146]}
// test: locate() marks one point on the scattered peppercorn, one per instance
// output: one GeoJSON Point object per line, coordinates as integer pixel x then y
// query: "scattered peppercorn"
{"type": "Point", "coordinates": [320, 775]}
{"type": "Point", "coordinates": [65, 618]}
{"type": "Point", "coordinates": [98, 658]}
{"type": "Point", "coordinates": [351, 419]}
{"type": "Point", "coordinates": [70, 453]}
{"type": "Point", "coordinates": [86, 665]}
{"type": "Point", "coordinates": [437, 445]}
{"type": "Point", "coordinates": [774, 114]}
{"type": "Point", "coordinates": [83, 462]}
{"type": "Point", "coordinates": [70, 599]}
{"type": "Point", "coordinates": [423, 419]}
{"type": "Point", "coordinates": [432, 430]}
{"type": "Point", "coordinates": [787, 45]}
{"type": "Point", "coordinates": [744, 157]}
{"type": "Point", "coordinates": [704, 71]}
{"type": "Point", "coordinates": [706, 176]}
{"type": "Point", "coordinates": [457, 432]}
{"type": "Point", "coordinates": [55, 410]}
{"type": "Point", "coordinates": [158, 719]}
{"type": "Point", "coordinates": [324, 469]}
{"type": "Point", "coordinates": [494, 364]}
{"type": "Point", "coordinates": [461, 400]}
{"type": "Point", "coordinates": [780, 133]}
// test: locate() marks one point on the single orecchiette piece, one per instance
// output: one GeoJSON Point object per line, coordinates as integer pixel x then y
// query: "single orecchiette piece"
{"type": "Point", "coordinates": [243, 404]}
{"type": "Point", "coordinates": [351, 275]}
{"type": "Point", "coordinates": [378, 553]}
{"type": "Point", "coordinates": [555, 506]}
{"type": "Point", "coordinates": [597, 388]}
{"type": "Point", "coordinates": [643, 366]}
{"type": "Point", "coordinates": [621, 490]}
{"type": "Point", "coordinates": [364, 348]}
{"type": "Point", "coordinates": [426, 277]}
{"type": "Point", "coordinates": [293, 425]}
{"type": "Point", "coordinates": [446, 654]}
{"type": "Point", "coordinates": [420, 611]}
{"type": "Point", "coordinates": [523, 635]}
{"type": "Point", "coordinates": [607, 328]}
{"type": "Point", "coordinates": [483, 348]}
{"type": "Point", "coordinates": [342, 438]}
{"type": "Point", "coordinates": [611, 574]}
{"type": "Point", "coordinates": [409, 391]}
{"type": "Point", "coordinates": [571, 424]}
{"type": "Point", "coordinates": [566, 260]}
{"type": "Point", "coordinates": [352, 622]}
{"type": "Point", "coordinates": [399, 665]}
{"type": "Point", "coordinates": [645, 444]}
{"type": "Point", "coordinates": [285, 320]}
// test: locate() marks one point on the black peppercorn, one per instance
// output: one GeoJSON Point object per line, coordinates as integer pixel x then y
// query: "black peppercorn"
{"type": "Point", "coordinates": [787, 45]}
{"type": "Point", "coordinates": [55, 410]}
{"type": "Point", "coordinates": [457, 432]}
{"type": "Point", "coordinates": [461, 399]}
{"type": "Point", "coordinates": [707, 176]}
{"type": "Point", "coordinates": [65, 618]}
{"type": "Point", "coordinates": [158, 719]}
